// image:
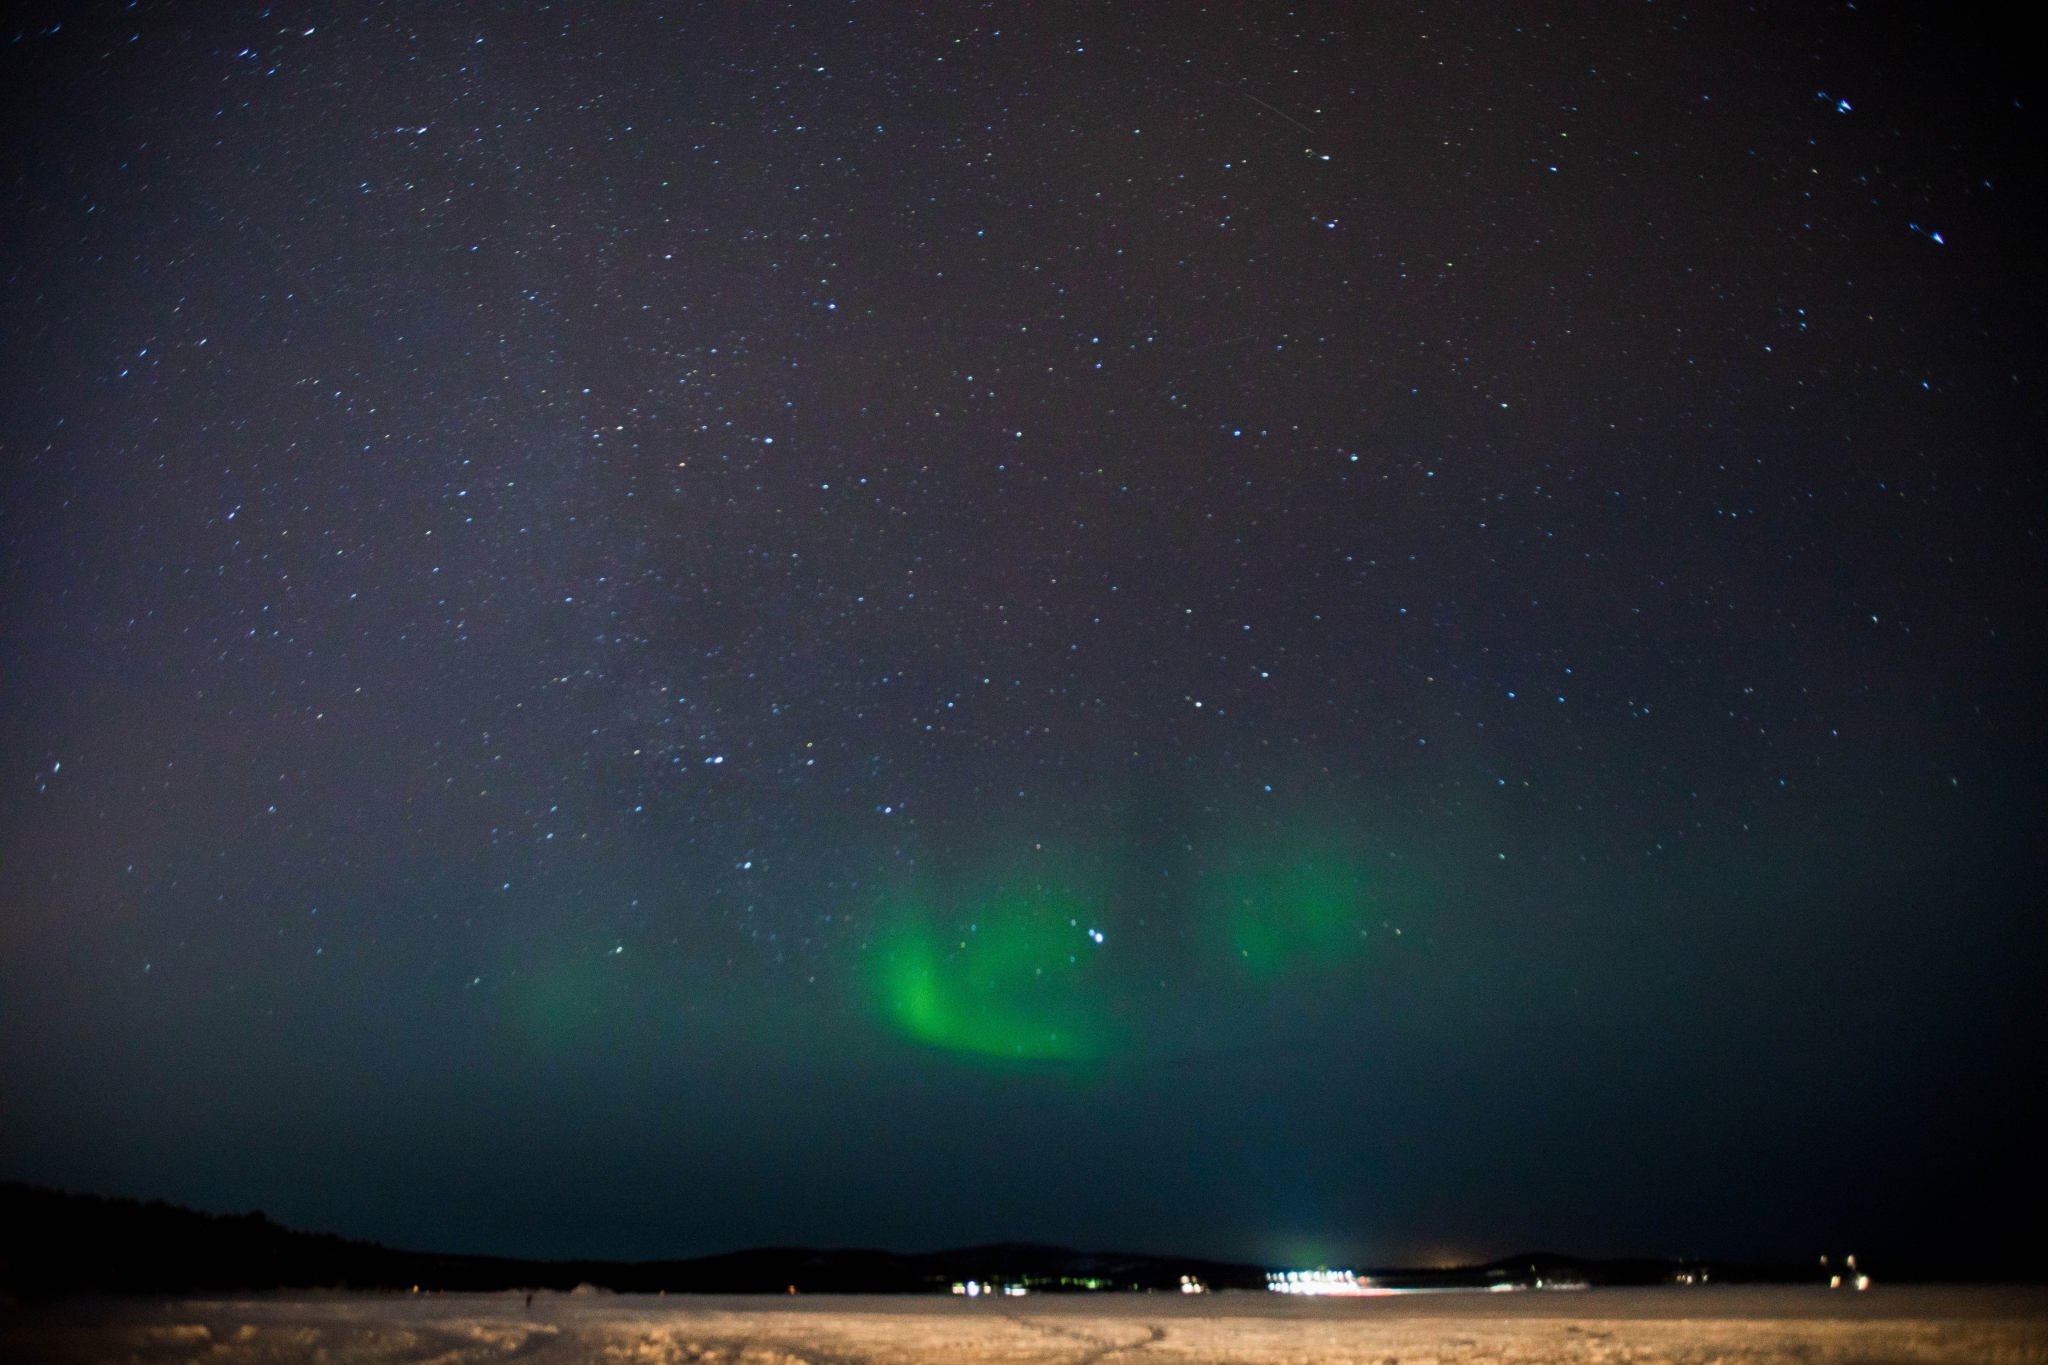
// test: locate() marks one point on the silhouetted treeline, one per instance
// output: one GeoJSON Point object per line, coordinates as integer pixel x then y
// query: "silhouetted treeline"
{"type": "Point", "coordinates": [53, 1243]}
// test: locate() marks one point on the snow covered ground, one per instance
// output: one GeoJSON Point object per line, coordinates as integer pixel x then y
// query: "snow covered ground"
{"type": "Point", "coordinates": [1733, 1325]}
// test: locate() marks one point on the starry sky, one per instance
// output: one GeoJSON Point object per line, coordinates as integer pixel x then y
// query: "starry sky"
{"type": "Point", "coordinates": [1335, 632]}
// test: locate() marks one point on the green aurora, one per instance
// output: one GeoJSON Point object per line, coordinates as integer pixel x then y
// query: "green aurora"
{"type": "Point", "coordinates": [1031, 970]}
{"type": "Point", "coordinates": [1015, 973]}
{"type": "Point", "coordinates": [1304, 910]}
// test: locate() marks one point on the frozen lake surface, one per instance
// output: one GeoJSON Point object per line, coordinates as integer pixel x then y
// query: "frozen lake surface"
{"type": "Point", "coordinates": [1682, 1326]}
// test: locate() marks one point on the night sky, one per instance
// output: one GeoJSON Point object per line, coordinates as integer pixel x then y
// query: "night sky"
{"type": "Point", "coordinates": [1351, 633]}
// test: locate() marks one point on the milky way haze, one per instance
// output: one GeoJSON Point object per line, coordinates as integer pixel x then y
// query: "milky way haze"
{"type": "Point", "coordinates": [1342, 633]}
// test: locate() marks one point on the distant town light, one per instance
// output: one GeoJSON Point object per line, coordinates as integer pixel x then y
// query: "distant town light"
{"type": "Point", "coordinates": [1328, 1283]}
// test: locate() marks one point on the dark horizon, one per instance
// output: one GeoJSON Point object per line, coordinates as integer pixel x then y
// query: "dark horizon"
{"type": "Point", "coordinates": [1351, 635]}
{"type": "Point", "coordinates": [58, 1244]}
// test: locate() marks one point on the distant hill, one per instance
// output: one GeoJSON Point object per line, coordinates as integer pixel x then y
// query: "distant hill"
{"type": "Point", "coordinates": [53, 1243]}
{"type": "Point", "coordinates": [56, 1243]}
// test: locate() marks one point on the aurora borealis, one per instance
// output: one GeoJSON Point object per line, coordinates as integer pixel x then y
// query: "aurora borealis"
{"type": "Point", "coordinates": [1015, 986]}
{"type": "Point", "coordinates": [1033, 976]}
{"type": "Point", "coordinates": [1336, 634]}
